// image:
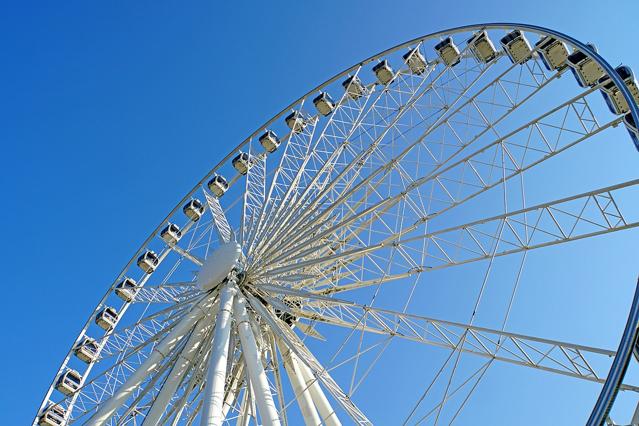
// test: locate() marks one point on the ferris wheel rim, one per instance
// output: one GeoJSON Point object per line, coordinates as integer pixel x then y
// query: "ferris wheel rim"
{"type": "Point", "coordinates": [634, 110]}
{"type": "Point", "coordinates": [609, 69]}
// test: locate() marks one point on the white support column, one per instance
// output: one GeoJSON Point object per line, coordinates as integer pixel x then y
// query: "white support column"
{"type": "Point", "coordinates": [257, 376]}
{"type": "Point", "coordinates": [161, 350]}
{"type": "Point", "coordinates": [182, 365]}
{"type": "Point", "coordinates": [213, 400]}
{"type": "Point", "coordinates": [302, 392]}
{"type": "Point", "coordinates": [323, 406]}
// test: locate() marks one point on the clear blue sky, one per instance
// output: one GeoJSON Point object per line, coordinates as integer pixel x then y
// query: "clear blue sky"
{"type": "Point", "coordinates": [104, 104]}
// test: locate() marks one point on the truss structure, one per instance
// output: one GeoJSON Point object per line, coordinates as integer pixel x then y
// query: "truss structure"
{"type": "Point", "coordinates": [271, 293]}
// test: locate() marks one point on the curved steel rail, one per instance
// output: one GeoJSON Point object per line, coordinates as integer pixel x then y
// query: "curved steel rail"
{"type": "Point", "coordinates": [619, 366]}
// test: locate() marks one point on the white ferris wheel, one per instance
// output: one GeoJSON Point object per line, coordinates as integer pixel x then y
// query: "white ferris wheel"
{"type": "Point", "coordinates": [272, 293]}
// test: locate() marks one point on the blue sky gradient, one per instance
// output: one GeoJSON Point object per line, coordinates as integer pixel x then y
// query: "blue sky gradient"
{"type": "Point", "coordinates": [113, 110]}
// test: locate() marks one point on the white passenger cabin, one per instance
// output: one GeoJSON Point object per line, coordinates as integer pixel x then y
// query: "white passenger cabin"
{"type": "Point", "coordinates": [383, 72]}
{"type": "Point", "coordinates": [69, 382]}
{"type": "Point", "coordinates": [242, 162]}
{"type": "Point", "coordinates": [482, 47]}
{"type": "Point", "coordinates": [218, 185]}
{"type": "Point", "coordinates": [553, 52]}
{"type": "Point", "coordinates": [87, 350]}
{"type": "Point", "coordinates": [415, 61]}
{"type": "Point", "coordinates": [612, 94]}
{"type": "Point", "coordinates": [148, 261]}
{"type": "Point", "coordinates": [354, 87]}
{"type": "Point", "coordinates": [586, 70]}
{"type": "Point", "coordinates": [193, 209]}
{"type": "Point", "coordinates": [54, 415]}
{"type": "Point", "coordinates": [107, 318]}
{"type": "Point", "coordinates": [324, 104]}
{"type": "Point", "coordinates": [295, 121]}
{"type": "Point", "coordinates": [269, 141]}
{"type": "Point", "coordinates": [516, 47]}
{"type": "Point", "coordinates": [171, 233]}
{"type": "Point", "coordinates": [126, 289]}
{"type": "Point", "coordinates": [448, 52]}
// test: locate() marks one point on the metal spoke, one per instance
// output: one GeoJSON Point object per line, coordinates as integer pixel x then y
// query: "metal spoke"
{"type": "Point", "coordinates": [544, 354]}
{"type": "Point", "coordinates": [234, 310]}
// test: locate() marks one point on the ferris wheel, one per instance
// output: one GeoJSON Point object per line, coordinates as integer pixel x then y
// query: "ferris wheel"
{"type": "Point", "coordinates": [274, 291]}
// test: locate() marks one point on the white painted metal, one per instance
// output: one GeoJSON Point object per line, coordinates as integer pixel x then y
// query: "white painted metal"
{"type": "Point", "coordinates": [247, 407]}
{"type": "Point", "coordinates": [295, 344]}
{"type": "Point", "coordinates": [219, 218]}
{"type": "Point", "coordinates": [263, 397]}
{"type": "Point", "coordinates": [321, 402]}
{"type": "Point", "coordinates": [233, 388]}
{"type": "Point", "coordinates": [218, 265]}
{"type": "Point", "coordinates": [175, 376]}
{"type": "Point", "coordinates": [161, 351]}
{"type": "Point", "coordinates": [213, 400]}
{"type": "Point", "coordinates": [352, 202]}
{"type": "Point", "coordinates": [300, 387]}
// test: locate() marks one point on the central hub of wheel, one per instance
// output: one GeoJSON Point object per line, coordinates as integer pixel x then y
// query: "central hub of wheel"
{"type": "Point", "coordinates": [218, 265]}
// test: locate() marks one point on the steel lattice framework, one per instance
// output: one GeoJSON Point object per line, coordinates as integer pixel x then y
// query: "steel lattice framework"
{"type": "Point", "coordinates": [408, 164]}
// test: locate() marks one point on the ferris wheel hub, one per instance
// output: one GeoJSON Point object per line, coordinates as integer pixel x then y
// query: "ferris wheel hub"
{"type": "Point", "coordinates": [218, 265]}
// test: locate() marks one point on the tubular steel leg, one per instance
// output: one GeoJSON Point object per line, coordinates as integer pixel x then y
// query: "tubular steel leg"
{"type": "Point", "coordinates": [257, 376]}
{"type": "Point", "coordinates": [213, 400]}
{"type": "Point", "coordinates": [183, 363]}
{"type": "Point", "coordinates": [321, 402]}
{"type": "Point", "coordinates": [302, 393]}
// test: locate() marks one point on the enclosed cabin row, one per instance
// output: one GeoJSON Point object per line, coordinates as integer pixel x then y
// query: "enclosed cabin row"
{"type": "Point", "coordinates": [553, 53]}
{"type": "Point", "coordinates": [68, 383]}
{"type": "Point", "coordinates": [354, 88]}
{"type": "Point", "coordinates": [243, 161]}
{"type": "Point", "coordinates": [617, 103]}
{"type": "Point", "coordinates": [587, 71]}
{"type": "Point", "coordinates": [106, 318]}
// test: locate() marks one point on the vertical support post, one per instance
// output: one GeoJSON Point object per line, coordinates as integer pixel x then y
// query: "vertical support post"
{"type": "Point", "coordinates": [302, 393]}
{"type": "Point", "coordinates": [257, 376]}
{"type": "Point", "coordinates": [213, 400]}
{"type": "Point", "coordinates": [323, 406]}
{"type": "Point", "coordinates": [182, 365]}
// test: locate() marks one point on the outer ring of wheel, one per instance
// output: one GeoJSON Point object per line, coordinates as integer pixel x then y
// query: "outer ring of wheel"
{"type": "Point", "coordinates": [627, 344]}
